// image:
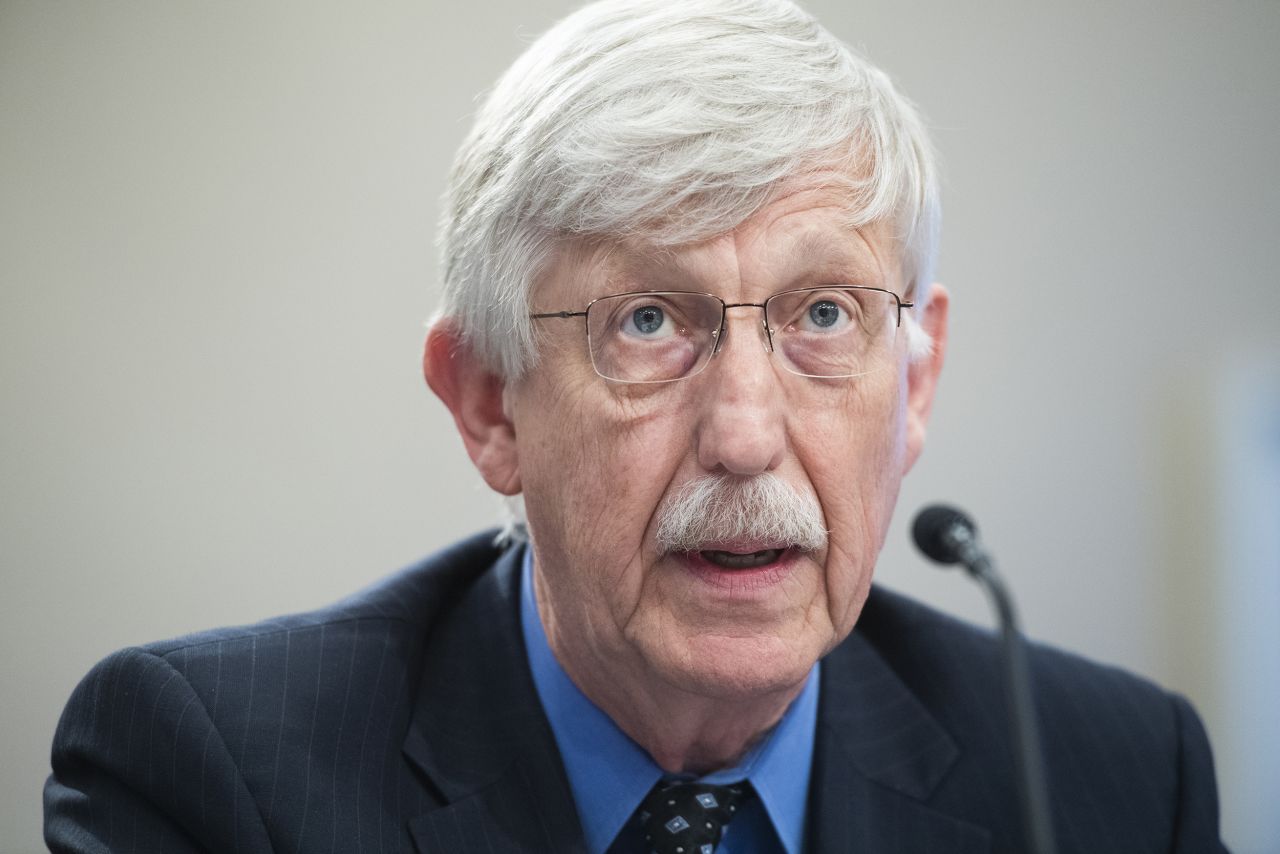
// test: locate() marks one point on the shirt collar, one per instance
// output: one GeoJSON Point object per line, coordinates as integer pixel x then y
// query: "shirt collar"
{"type": "Point", "coordinates": [610, 774]}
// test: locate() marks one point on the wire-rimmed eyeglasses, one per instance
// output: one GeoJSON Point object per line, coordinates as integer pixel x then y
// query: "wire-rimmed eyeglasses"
{"type": "Point", "coordinates": [662, 336]}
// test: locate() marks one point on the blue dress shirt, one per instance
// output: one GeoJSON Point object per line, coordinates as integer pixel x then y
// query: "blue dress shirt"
{"type": "Point", "coordinates": [610, 774]}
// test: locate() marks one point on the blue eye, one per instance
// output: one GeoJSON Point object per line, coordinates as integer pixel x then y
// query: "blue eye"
{"type": "Point", "coordinates": [648, 319]}
{"type": "Point", "coordinates": [824, 313]}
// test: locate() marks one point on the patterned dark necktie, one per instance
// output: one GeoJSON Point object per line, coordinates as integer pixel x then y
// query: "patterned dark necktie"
{"type": "Point", "coordinates": [689, 818]}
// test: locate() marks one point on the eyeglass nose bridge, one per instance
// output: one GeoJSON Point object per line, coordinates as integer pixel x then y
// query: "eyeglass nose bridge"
{"type": "Point", "coordinates": [721, 330]}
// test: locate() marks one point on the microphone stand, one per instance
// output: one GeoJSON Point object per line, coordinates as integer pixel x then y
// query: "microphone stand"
{"type": "Point", "coordinates": [1033, 791]}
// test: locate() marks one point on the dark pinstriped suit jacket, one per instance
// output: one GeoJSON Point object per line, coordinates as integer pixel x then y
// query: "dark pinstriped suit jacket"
{"type": "Point", "coordinates": [405, 718]}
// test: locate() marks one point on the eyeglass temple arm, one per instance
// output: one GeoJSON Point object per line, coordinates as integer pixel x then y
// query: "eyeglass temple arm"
{"type": "Point", "coordinates": [559, 314]}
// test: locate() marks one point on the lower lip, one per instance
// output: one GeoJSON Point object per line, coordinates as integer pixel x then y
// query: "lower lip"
{"type": "Point", "coordinates": [740, 580]}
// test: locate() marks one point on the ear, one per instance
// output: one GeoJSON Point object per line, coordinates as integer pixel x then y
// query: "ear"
{"type": "Point", "coordinates": [473, 395]}
{"type": "Point", "coordinates": [922, 373]}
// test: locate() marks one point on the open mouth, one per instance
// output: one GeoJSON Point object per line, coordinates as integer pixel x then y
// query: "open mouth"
{"type": "Point", "coordinates": [742, 569]}
{"type": "Point", "coordinates": [741, 560]}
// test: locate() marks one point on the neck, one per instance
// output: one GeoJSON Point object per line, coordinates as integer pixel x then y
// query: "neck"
{"type": "Point", "coordinates": [683, 731]}
{"type": "Point", "coordinates": [698, 737]}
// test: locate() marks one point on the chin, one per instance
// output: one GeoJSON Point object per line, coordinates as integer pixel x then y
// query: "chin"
{"type": "Point", "coordinates": [742, 667]}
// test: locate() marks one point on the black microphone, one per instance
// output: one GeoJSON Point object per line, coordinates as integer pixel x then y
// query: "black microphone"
{"type": "Point", "coordinates": [946, 535]}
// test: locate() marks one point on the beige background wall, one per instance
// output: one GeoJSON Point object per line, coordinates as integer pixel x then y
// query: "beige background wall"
{"type": "Point", "coordinates": [216, 252]}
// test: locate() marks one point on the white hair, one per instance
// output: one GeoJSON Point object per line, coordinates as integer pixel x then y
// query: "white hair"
{"type": "Point", "coordinates": [672, 122]}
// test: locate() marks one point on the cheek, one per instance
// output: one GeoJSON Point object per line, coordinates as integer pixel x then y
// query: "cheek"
{"type": "Point", "coordinates": [851, 443]}
{"type": "Point", "coordinates": [852, 449]}
{"type": "Point", "coordinates": [593, 477]}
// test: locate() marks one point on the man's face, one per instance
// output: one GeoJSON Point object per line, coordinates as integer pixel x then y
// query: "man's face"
{"type": "Point", "coordinates": [596, 460]}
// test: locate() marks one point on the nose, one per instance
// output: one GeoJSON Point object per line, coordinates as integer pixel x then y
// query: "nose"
{"type": "Point", "coordinates": [741, 426]}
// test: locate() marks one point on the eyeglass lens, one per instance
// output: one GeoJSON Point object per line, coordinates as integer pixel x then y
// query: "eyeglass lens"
{"type": "Point", "coordinates": [659, 337]}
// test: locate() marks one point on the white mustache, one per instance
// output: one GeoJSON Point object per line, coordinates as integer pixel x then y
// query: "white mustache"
{"type": "Point", "coordinates": [718, 508]}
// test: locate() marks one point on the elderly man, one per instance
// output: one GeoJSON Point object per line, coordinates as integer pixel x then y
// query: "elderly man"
{"type": "Point", "coordinates": [689, 320]}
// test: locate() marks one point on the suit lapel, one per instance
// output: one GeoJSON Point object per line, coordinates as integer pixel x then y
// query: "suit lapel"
{"type": "Point", "coordinates": [878, 756]}
{"type": "Point", "coordinates": [479, 733]}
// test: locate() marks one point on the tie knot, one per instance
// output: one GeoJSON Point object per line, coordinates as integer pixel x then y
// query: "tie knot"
{"type": "Point", "coordinates": [689, 818]}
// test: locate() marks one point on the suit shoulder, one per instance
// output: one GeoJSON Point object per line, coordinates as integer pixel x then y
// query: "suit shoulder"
{"type": "Point", "coordinates": [229, 707]}
{"type": "Point", "coordinates": [1128, 764]}
{"type": "Point", "coordinates": [938, 655]}
{"type": "Point", "coordinates": [375, 633]}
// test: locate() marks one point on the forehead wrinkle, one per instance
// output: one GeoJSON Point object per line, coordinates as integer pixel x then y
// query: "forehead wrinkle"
{"type": "Point", "coordinates": [825, 248]}
{"type": "Point", "coordinates": [640, 266]}
{"type": "Point", "coordinates": [701, 262]}
{"type": "Point", "coordinates": [798, 255]}
{"type": "Point", "coordinates": [586, 269]}
{"type": "Point", "coordinates": [839, 251]}
{"type": "Point", "coordinates": [635, 266]}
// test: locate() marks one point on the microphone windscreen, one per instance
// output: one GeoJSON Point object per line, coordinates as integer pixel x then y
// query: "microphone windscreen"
{"type": "Point", "coordinates": [930, 532]}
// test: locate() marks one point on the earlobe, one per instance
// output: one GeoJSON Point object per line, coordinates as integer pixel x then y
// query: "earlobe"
{"type": "Point", "coordinates": [474, 396]}
{"type": "Point", "coordinates": [922, 373]}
